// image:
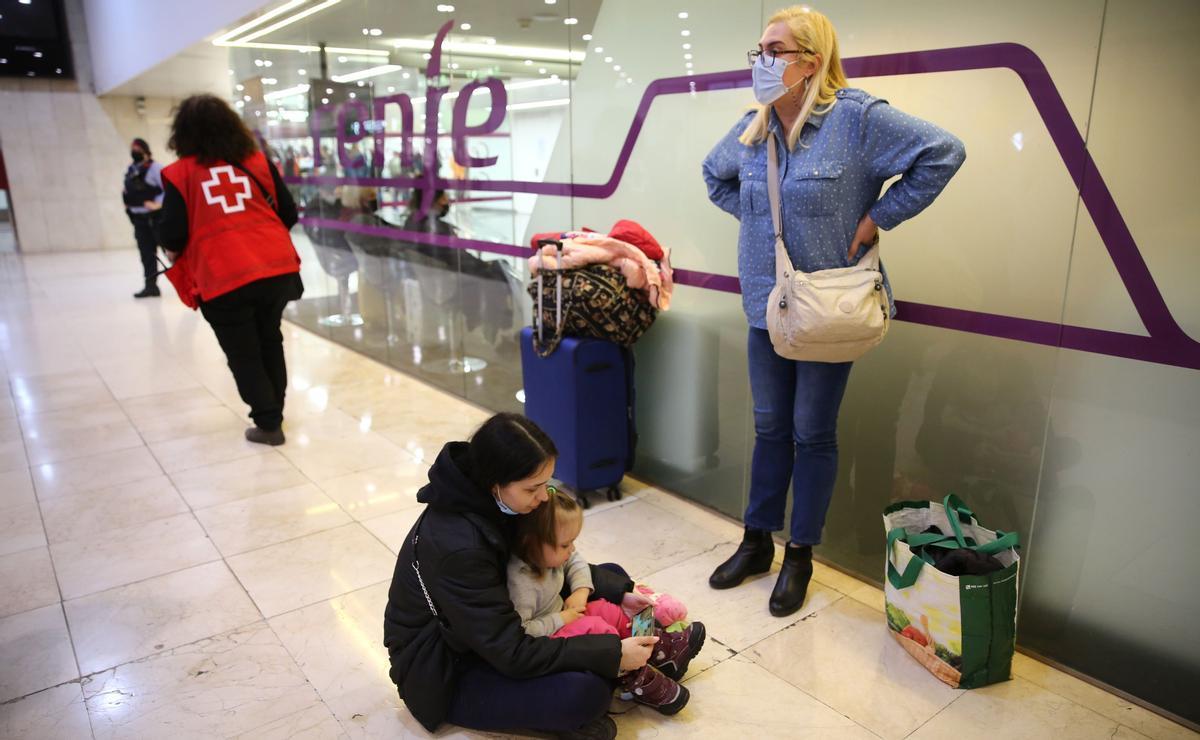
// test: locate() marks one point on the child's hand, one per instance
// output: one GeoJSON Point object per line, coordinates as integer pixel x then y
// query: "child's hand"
{"type": "Point", "coordinates": [578, 599]}
{"type": "Point", "coordinates": [570, 614]}
{"type": "Point", "coordinates": [633, 602]}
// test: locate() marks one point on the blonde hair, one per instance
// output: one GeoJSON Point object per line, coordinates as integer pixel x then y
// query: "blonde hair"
{"type": "Point", "coordinates": [813, 31]}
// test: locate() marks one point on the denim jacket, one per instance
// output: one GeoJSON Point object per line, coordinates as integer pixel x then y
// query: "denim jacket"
{"type": "Point", "coordinates": [833, 177]}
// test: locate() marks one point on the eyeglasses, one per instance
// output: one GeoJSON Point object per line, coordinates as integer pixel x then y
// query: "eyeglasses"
{"type": "Point", "coordinates": [770, 54]}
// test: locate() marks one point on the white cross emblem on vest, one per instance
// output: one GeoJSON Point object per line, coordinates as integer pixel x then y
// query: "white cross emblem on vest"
{"type": "Point", "coordinates": [217, 192]}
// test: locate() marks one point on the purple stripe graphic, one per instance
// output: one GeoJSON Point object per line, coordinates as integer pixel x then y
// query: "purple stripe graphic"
{"type": "Point", "coordinates": [1167, 344]}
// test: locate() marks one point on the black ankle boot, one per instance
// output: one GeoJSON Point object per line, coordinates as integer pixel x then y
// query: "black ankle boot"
{"type": "Point", "coordinates": [150, 291]}
{"type": "Point", "coordinates": [792, 585]}
{"type": "Point", "coordinates": [754, 555]}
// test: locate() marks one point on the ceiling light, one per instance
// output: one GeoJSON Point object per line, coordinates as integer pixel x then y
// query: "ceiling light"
{"type": "Point", "coordinates": [362, 83]}
{"type": "Point", "coordinates": [427, 56]}
{"type": "Point", "coordinates": [683, 15]}
{"type": "Point", "coordinates": [570, 21]}
{"type": "Point", "coordinates": [258, 114]}
{"type": "Point", "coordinates": [231, 71]}
{"type": "Point", "coordinates": [366, 32]}
{"type": "Point", "coordinates": [267, 62]}
{"type": "Point", "coordinates": [365, 73]}
{"type": "Point", "coordinates": [688, 65]}
{"type": "Point", "coordinates": [270, 81]}
{"type": "Point", "coordinates": [608, 60]}
{"type": "Point", "coordinates": [353, 95]}
{"type": "Point", "coordinates": [343, 60]}
{"type": "Point", "coordinates": [376, 31]}
{"type": "Point", "coordinates": [465, 27]}
{"type": "Point", "coordinates": [258, 62]}
{"type": "Point", "coordinates": [551, 2]}
{"type": "Point", "coordinates": [239, 87]}
{"type": "Point", "coordinates": [528, 62]}
{"type": "Point", "coordinates": [391, 89]}
{"type": "Point", "coordinates": [324, 101]}
{"type": "Point", "coordinates": [616, 68]}
{"type": "Point", "coordinates": [406, 75]}
{"type": "Point", "coordinates": [587, 37]}
{"type": "Point", "coordinates": [687, 56]}
{"type": "Point", "coordinates": [246, 98]}
{"type": "Point", "coordinates": [454, 65]}
{"type": "Point", "coordinates": [599, 50]}
{"type": "Point", "coordinates": [287, 21]}
{"type": "Point", "coordinates": [222, 40]}
{"type": "Point", "coordinates": [286, 93]}
{"type": "Point", "coordinates": [302, 72]}
{"type": "Point", "coordinates": [37, 55]}
{"type": "Point", "coordinates": [329, 91]}
{"type": "Point", "coordinates": [685, 32]}
{"type": "Point", "coordinates": [687, 46]}
{"type": "Point", "coordinates": [445, 8]}
{"type": "Point", "coordinates": [308, 48]}
{"type": "Point", "coordinates": [491, 49]}
{"type": "Point", "coordinates": [490, 41]}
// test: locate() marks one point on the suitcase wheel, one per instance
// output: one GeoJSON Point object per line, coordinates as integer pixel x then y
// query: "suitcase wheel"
{"type": "Point", "coordinates": [614, 493]}
{"type": "Point", "coordinates": [583, 501]}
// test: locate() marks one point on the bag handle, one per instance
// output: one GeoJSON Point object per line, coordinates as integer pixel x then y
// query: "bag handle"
{"type": "Point", "coordinates": [416, 566]}
{"type": "Point", "coordinates": [265, 192]}
{"type": "Point", "coordinates": [955, 511]}
{"type": "Point", "coordinates": [540, 346]}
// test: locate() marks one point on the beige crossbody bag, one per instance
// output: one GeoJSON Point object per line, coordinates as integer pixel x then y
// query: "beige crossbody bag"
{"type": "Point", "coordinates": [825, 316]}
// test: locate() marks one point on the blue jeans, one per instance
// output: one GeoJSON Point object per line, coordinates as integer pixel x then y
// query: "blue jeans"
{"type": "Point", "coordinates": [795, 439]}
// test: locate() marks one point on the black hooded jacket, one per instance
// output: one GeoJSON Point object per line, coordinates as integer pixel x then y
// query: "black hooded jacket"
{"type": "Point", "coordinates": [463, 551]}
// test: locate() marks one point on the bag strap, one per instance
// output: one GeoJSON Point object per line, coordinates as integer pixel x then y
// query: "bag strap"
{"type": "Point", "coordinates": [783, 263]}
{"type": "Point", "coordinates": [265, 192]}
{"type": "Point", "coordinates": [416, 566]}
{"type": "Point", "coordinates": [543, 350]}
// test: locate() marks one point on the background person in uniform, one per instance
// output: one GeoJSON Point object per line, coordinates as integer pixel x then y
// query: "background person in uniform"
{"type": "Point", "coordinates": [225, 218]}
{"type": "Point", "coordinates": [143, 194]}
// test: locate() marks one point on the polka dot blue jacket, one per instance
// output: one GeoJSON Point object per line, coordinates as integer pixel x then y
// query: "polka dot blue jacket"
{"type": "Point", "coordinates": [827, 184]}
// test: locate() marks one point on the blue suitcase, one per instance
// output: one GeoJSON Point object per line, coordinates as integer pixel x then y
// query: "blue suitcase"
{"type": "Point", "coordinates": [582, 396]}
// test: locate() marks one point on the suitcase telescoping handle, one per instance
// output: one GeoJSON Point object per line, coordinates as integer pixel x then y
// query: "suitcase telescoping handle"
{"type": "Point", "coordinates": [541, 319]}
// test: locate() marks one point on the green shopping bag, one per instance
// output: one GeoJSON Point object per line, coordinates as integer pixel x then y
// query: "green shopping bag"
{"type": "Point", "coordinates": [961, 628]}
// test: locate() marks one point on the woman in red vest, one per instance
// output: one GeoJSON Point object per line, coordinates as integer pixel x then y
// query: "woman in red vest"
{"type": "Point", "coordinates": [225, 220]}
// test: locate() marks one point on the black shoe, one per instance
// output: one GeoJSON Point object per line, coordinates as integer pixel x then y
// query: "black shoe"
{"type": "Point", "coordinates": [792, 585]}
{"type": "Point", "coordinates": [753, 556]}
{"type": "Point", "coordinates": [261, 436]}
{"type": "Point", "coordinates": [601, 728]}
{"type": "Point", "coordinates": [150, 291]}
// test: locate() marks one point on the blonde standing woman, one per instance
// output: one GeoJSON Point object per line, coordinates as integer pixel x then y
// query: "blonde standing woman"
{"type": "Point", "coordinates": [837, 146]}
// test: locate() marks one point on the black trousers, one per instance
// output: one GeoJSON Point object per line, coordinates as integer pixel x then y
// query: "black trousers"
{"type": "Point", "coordinates": [246, 321]}
{"type": "Point", "coordinates": [143, 232]}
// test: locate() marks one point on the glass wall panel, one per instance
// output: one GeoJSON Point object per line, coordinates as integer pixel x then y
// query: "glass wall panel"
{"type": "Point", "coordinates": [1042, 367]}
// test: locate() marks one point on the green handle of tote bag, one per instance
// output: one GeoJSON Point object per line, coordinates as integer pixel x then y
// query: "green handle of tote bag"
{"type": "Point", "coordinates": [955, 509]}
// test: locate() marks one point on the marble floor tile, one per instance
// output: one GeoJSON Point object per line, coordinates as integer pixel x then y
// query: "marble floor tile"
{"type": "Point", "coordinates": [223, 482]}
{"type": "Point", "coordinates": [393, 529]}
{"type": "Point", "coordinates": [1016, 710]}
{"type": "Point", "coordinates": [424, 440]}
{"type": "Point", "coordinates": [35, 652]}
{"type": "Point", "coordinates": [131, 622]}
{"type": "Point", "coordinates": [313, 568]}
{"type": "Point", "coordinates": [144, 374]}
{"type": "Point", "coordinates": [643, 538]}
{"type": "Point", "coordinates": [384, 490]}
{"type": "Point", "coordinates": [190, 423]}
{"type": "Point", "coordinates": [27, 581]}
{"type": "Point", "coordinates": [685, 510]}
{"type": "Point", "coordinates": [1098, 700]}
{"type": "Point", "coordinates": [16, 487]}
{"type": "Point", "coordinates": [129, 554]}
{"type": "Point", "coordinates": [237, 684]}
{"type": "Point", "coordinates": [53, 714]}
{"type": "Point", "coordinates": [20, 527]}
{"type": "Point", "coordinates": [79, 443]}
{"type": "Point", "coordinates": [738, 617]}
{"type": "Point", "coordinates": [844, 657]}
{"type": "Point", "coordinates": [177, 455]}
{"type": "Point", "coordinates": [94, 473]}
{"type": "Point", "coordinates": [270, 518]}
{"type": "Point", "coordinates": [12, 455]}
{"type": "Point", "coordinates": [83, 515]}
{"type": "Point", "coordinates": [321, 458]}
{"type": "Point", "coordinates": [736, 698]}
{"type": "Point", "coordinates": [37, 393]}
{"type": "Point", "coordinates": [143, 408]}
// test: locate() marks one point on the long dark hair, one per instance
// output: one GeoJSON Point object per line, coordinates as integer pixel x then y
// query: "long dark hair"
{"type": "Point", "coordinates": [205, 127]}
{"type": "Point", "coordinates": [507, 448]}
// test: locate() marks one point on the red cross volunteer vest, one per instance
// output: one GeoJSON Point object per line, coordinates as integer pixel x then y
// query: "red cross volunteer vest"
{"type": "Point", "coordinates": [234, 236]}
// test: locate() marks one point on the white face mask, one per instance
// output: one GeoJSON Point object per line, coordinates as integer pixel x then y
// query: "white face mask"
{"type": "Point", "coordinates": [768, 81]}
